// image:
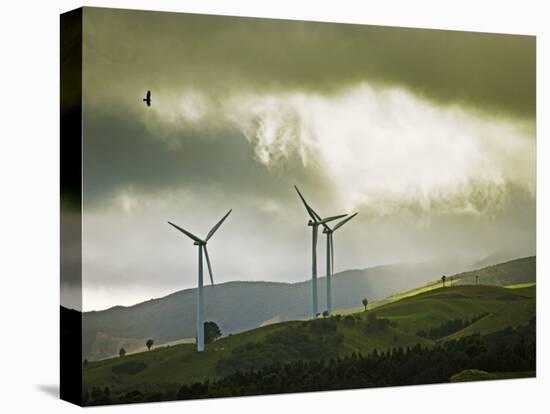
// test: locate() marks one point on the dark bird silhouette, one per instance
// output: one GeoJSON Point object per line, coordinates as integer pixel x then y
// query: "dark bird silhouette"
{"type": "Point", "coordinates": [147, 98]}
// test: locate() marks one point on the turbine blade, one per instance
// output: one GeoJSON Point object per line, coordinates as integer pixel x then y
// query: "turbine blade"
{"type": "Point", "coordinates": [188, 234]}
{"type": "Point", "coordinates": [314, 216]}
{"type": "Point", "coordinates": [217, 226]}
{"type": "Point", "coordinates": [209, 265]}
{"type": "Point", "coordinates": [331, 218]}
{"type": "Point", "coordinates": [341, 223]}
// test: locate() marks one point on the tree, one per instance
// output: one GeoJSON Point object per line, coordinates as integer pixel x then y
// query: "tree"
{"type": "Point", "coordinates": [477, 279]}
{"type": "Point", "coordinates": [365, 302]}
{"type": "Point", "coordinates": [211, 331]}
{"type": "Point", "coordinates": [443, 278]}
{"type": "Point", "coordinates": [121, 352]}
{"type": "Point", "coordinates": [85, 363]}
{"type": "Point", "coordinates": [325, 314]}
{"type": "Point", "coordinates": [149, 344]}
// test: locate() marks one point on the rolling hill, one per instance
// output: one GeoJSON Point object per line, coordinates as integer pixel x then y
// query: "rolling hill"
{"type": "Point", "coordinates": [241, 306]}
{"type": "Point", "coordinates": [480, 309]}
{"type": "Point", "coordinates": [512, 274]}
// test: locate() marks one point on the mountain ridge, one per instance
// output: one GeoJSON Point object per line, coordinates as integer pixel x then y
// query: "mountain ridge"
{"type": "Point", "coordinates": [238, 306]}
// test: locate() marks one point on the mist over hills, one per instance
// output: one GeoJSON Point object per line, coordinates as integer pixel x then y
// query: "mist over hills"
{"type": "Point", "coordinates": [512, 272]}
{"type": "Point", "coordinates": [239, 306]}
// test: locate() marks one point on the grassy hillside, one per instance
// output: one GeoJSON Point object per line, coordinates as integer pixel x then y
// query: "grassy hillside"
{"type": "Point", "coordinates": [240, 306]}
{"type": "Point", "coordinates": [390, 325]}
{"type": "Point", "coordinates": [512, 274]}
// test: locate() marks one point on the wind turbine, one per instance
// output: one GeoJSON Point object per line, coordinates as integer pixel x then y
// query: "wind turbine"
{"type": "Point", "coordinates": [202, 247]}
{"type": "Point", "coordinates": [330, 257]}
{"type": "Point", "coordinates": [315, 221]}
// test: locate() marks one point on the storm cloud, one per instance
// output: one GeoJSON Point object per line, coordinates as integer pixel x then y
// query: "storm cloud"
{"type": "Point", "coordinates": [429, 134]}
{"type": "Point", "coordinates": [175, 52]}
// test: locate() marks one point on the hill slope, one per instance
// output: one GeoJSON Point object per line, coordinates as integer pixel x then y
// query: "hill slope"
{"type": "Point", "coordinates": [513, 272]}
{"type": "Point", "coordinates": [389, 326]}
{"type": "Point", "coordinates": [240, 306]}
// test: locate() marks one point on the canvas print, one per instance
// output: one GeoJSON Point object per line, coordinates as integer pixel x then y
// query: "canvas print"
{"type": "Point", "coordinates": [259, 206]}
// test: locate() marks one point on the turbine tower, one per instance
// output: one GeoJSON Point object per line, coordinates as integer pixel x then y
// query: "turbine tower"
{"type": "Point", "coordinates": [314, 221]}
{"type": "Point", "coordinates": [330, 257]}
{"type": "Point", "coordinates": [202, 247]}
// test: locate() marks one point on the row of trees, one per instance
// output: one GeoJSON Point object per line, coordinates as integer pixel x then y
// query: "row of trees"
{"type": "Point", "coordinates": [510, 350]}
{"type": "Point", "coordinates": [449, 327]}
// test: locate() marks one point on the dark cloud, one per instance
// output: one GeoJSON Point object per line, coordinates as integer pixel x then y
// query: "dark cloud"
{"type": "Point", "coordinates": [121, 153]}
{"type": "Point", "coordinates": [143, 166]}
{"type": "Point", "coordinates": [130, 49]}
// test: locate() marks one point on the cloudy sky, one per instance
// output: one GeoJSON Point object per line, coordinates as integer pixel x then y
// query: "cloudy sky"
{"type": "Point", "coordinates": [429, 135]}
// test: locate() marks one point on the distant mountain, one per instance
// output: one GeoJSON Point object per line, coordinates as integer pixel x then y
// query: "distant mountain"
{"type": "Point", "coordinates": [240, 306]}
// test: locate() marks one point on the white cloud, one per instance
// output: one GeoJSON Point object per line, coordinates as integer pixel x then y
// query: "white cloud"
{"type": "Point", "coordinates": [383, 149]}
{"type": "Point", "coordinates": [386, 149]}
{"type": "Point", "coordinates": [402, 160]}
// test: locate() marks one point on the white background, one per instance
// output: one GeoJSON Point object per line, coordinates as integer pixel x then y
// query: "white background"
{"type": "Point", "coordinates": [29, 206]}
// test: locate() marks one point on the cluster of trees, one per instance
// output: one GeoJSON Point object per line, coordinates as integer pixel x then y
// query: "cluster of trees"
{"type": "Point", "coordinates": [449, 327]}
{"type": "Point", "coordinates": [211, 332]}
{"type": "Point", "coordinates": [311, 340]}
{"type": "Point", "coordinates": [315, 339]}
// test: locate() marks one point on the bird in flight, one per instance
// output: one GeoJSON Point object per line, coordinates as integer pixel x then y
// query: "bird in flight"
{"type": "Point", "coordinates": [147, 98]}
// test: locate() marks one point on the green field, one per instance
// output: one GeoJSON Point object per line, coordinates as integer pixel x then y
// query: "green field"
{"type": "Point", "coordinates": [169, 367]}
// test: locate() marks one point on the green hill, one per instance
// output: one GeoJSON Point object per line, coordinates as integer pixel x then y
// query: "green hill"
{"type": "Point", "coordinates": [452, 312]}
{"type": "Point", "coordinates": [240, 306]}
{"type": "Point", "coordinates": [512, 274]}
